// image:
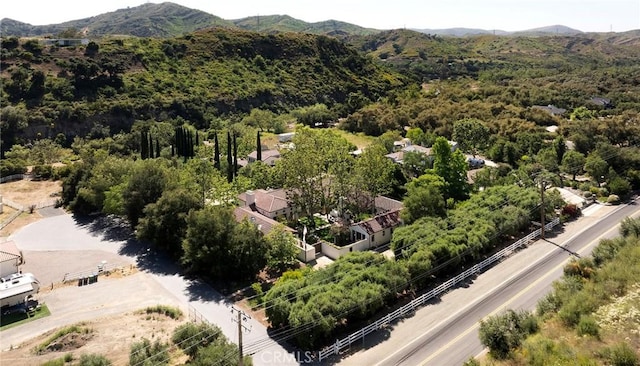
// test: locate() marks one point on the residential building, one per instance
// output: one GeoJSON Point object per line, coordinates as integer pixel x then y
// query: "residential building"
{"type": "Point", "coordinates": [269, 157]}
{"type": "Point", "coordinates": [270, 203]}
{"type": "Point", "coordinates": [377, 230]}
{"type": "Point", "coordinates": [10, 258]}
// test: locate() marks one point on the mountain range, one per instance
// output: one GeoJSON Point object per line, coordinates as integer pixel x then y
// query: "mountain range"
{"type": "Point", "coordinates": [169, 19]}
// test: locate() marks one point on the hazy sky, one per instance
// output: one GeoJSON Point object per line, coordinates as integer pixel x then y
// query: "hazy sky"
{"type": "Point", "coordinates": [509, 15]}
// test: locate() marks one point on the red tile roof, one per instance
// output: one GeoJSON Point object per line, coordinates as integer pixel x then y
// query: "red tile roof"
{"type": "Point", "coordinates": [264, 223]}
{"type": "Point", "coordinates": [381, 222]}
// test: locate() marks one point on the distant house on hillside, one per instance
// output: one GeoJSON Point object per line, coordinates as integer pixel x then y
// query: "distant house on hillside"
{"type": "Point", "coordinates": [404, 147]}
{"type": "Point", "coordinates": [601, 102]}
{"type": "Point", "coordinates": [66, 42]}
{"type": "Point", "coordinates": [551, 109]}
{"type": "Point", "coordinates": [269, 157]}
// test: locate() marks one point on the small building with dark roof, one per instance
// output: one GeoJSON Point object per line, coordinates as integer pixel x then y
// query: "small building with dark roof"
{"type": "Point", "coordinates": [551, 109]}
{"type": "Point", "coordinates": [377, 230]}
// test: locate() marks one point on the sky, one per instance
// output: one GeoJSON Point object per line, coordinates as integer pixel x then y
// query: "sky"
{"type": "Point", "coordinates": [508, 15]}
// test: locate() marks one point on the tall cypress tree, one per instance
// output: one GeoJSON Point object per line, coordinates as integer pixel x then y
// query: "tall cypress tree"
{"type": "Point", "coordinates": [157, 148]}
{"type": "Point", "coordinates": [150, 142]}
{"type": "Point", "coordinates": [259, 147]}
{"type": "Point", "coordinates": [144, 145]}
{"type": "Point", "coordinates": [235, 156]}
{"type": "Point", "coordinates": [229, 159]}
{"type": "Point", "coordinates": [216, 152]}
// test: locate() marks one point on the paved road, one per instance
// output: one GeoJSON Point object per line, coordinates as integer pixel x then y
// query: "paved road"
{"type": "Point", "coordinates": [445, 333]}
{"type": "Point", "coordinates": [73, 239]}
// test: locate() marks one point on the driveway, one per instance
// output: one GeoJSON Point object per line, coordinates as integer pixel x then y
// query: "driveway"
{"type": "Point", "coordinates": [59, 244]}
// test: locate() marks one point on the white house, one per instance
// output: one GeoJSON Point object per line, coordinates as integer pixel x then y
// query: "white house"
{"type": "Point", "coordinates": [377, 230]}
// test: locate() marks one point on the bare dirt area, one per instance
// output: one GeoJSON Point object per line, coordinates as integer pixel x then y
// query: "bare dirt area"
{"type": "Point", "coordinates": [110, 336]}
{"type": "Point", "coordinates": [26, 192]}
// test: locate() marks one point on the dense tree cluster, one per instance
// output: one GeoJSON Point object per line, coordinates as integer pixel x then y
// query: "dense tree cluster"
{"type": "Point", "coordinates": [315, 302]}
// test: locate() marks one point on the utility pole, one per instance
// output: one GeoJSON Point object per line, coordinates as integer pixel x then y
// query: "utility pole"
{"type": "Point", "coordinates": [242, 317]}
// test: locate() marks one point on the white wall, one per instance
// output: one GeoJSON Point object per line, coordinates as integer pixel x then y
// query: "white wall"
{"type": "Point", "coordinates": [9, 267]}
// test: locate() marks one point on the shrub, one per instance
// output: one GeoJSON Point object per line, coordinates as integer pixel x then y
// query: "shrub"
{"type": "Point", "coordinates": [570, 211]}
{"type": "Point", "coordinates": [94, 360]}
{"type": "Point", "coordinates": [621, 355]}
{"type": "Point", "coordinates": [550, 303]}
{"type": "Point", "coordinates": [505, 332]}
{"type": "Point", "coordinates": [613, 199]}
{"type": "Point", "coordinates": [190, 336]}
{"type": "Point", "coordinates": [145, 353]}
{"type": "Point", "coordinates": [587, 194]}
{"type": "Point", "coordinates": [170, 311]}
{"type": "Point", "coordinates": [587, 326]}
{"type": "Point", "coordinates": [619, 186]}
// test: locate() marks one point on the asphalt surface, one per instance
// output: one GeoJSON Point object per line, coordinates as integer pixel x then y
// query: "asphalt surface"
{"type": "Point", "coordinates": [61, 244]}
{"type": "Point", "coordinates": [445, 332]}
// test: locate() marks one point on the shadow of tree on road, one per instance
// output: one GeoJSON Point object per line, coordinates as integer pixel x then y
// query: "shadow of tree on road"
{"type": "Point", "coordinates": [198, 290]}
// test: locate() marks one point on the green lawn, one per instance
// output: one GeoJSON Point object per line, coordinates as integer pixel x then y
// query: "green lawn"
{"type": "Point", "coordinates": [12, 320]}
{"type": "Point", "coordinates": [359, 139]}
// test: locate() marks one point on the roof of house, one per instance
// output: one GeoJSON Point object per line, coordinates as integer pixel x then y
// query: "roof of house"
{"type": "Point", "coordinates": [9, 251]}
{"type": "Point", "coordinates": [398, 156]}
{"type": "Point", "coordinates": [266, 154]}
{"type": "Point", "coordinates": [600, 101]}
{"type": "Point", "coordinates": [387, 204]}
{"type": "Point", "coordinates": [264, 223]}
{"type": "Point", "coordinates": [381, 222]}
{"type": "Point", "coordinates": [551, 109]}
{"type": "Point", "coordinates": [269, 201]}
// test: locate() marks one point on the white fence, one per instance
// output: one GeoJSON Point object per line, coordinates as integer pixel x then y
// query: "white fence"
{"type": "Point", "coordinates": [424, 298]}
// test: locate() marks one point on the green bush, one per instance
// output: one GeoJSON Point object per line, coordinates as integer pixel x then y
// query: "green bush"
{"type": "Point", "coordinates": [550, 303]}
{"type": "Point", "coordinates": [613, 199]}
{"type": "Point", "coordinates": [587, 326]}
{"type": "Point", "coordinates": [505, 332]}
{"type": "Point", "coordinates": [170, 311]}
{"type": "Point", "coordinates": [619, 186]}
{"type": "Point", "coordinates": [94, 360]}
{"type": "Point", "coordinates": [145, 353]}
{"type": "Point", "coordinates": [621, 355]}
{"type": "Point", "coordinates": [190, 336]}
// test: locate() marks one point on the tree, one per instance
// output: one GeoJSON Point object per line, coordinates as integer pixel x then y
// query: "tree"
{"type": "Point", "coordinates": [416, 135]}
{"type": "Point", "coordinates": [259, 118]}
{"type": "Point", "coordinates": [309, 170]}
{"type": "Point", "coordinates": [373, 173]}
{"type": "Point", "coordinates": [258, 147]}
{"type": "Point", "coordinates": [548, 159]}
{"type": "Point", "coordinates": [215, 245]}
{"type": "Point", "coordinates": [164, 222]}
{"type": "Point", "coordinates": [596, 167]}
{"type": "Point", "coordinates": [471, 134]}
{"type": "Point", "coordinates": [216, 151]}
{"type": "Point", "coordinates": [235, 156]}
{"type": "Point", "coordinates": [229, 159]}
{"type": "Point", "coordinates": [452, 167]}
{"type": "Point", "coordinates": [145, 185]}
{"type": "Point", "coordinates": [415, 163]}
{"type": "Point", "coordinates": [312, 116]}
{"type": "Point", "coordinates": [424, 198]}
{"type": "Point", "coordinates": [573, 163]}
{"type": "Point", "coordinates": [283, 251]}
{"type": "Point", "coordinates": [560, 147]}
